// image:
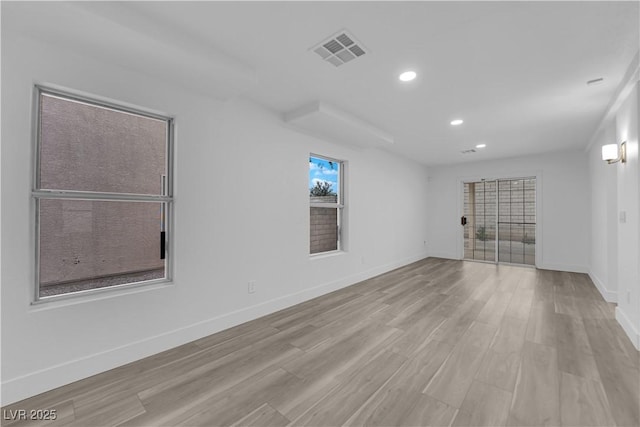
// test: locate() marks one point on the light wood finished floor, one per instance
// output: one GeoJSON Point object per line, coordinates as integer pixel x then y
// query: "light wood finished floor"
{"type": "Point", "coordinates": [437, 342]}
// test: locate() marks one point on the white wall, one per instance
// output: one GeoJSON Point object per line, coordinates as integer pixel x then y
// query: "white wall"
{"type": "Point", "coordinates": [563, 219]}
{"type": "Point", "coordinates": [628, 310]}
{"type": "Point", "coordinates": [615, 190]}
{"type": "Point", "coordinates": [603, 259]}
{"type": "Point", "coordinates": [241, 213]}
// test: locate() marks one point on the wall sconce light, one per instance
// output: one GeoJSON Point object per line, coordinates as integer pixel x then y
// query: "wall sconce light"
{"type": "Point", "coordinates": [611, 154]}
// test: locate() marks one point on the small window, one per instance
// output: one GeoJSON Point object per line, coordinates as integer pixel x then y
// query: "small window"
{"type": "Point", "coordinates": [103, 192]}
{"type": "Point", "coordinates": [326, 204]}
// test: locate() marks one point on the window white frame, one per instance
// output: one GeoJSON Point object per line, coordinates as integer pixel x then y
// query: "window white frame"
{"type": "Point", "coordinates": [39, 194]}
{"type": "Point", "coordinates": [339, 204]}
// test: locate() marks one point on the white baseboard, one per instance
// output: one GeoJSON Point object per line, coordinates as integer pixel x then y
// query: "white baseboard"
{"type": "Point", "coordinates": [628, 327]}
{"type": "Point", "coordinates": [445, 255]}
{"type": "Point", "coordinates": [565, 267]}
{"type": "Point", "coordinates": [608, 295]}
{"type": "Point", "coordinates": [34, 383]}
{"type": "Point", "coordinates": [556, 267]}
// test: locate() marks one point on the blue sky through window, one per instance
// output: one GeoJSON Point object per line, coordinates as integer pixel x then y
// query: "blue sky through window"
{"type": "Point", "coordinates": [323, 170]}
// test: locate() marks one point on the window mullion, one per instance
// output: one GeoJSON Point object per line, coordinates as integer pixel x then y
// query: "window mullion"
{"type": "Point", "coordinates": [326, 205]}
{"type": "Point", "coordinates": [90, 195]}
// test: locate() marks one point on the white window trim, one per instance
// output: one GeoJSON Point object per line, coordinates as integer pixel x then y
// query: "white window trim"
{"type": "Point", "coordinates": [339, 205]}
{"type": "Point", "coordinates": [39, 194]}
{"type": "Point", "coordinates": [326, 205]}
{"type": "Point", "coordinates": [327, 254]}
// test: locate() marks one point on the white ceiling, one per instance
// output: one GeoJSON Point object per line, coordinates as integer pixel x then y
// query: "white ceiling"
{"type": "Point", "coordinates": [515, 72]}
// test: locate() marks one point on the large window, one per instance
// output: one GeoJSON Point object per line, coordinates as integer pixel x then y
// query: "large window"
{"type": "Point", "coordinates": [326, 202]}
{"type": "Point", "coordinates": [103, 192]}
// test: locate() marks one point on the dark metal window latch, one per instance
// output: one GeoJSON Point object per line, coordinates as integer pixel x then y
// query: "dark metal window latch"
{"type": "Point", "coordinates": [162, 244]}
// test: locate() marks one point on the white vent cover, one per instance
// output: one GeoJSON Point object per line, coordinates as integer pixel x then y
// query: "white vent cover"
{"type": "Point", "coordinates": [469, 151]}
{"type": "Point", "coordinates": [339, 49]}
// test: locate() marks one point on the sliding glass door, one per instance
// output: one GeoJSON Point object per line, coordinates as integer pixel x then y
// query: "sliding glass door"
{"type": "Point", "coordinates": [480, 220]}
{"type": "Point", "coordinates": [517, 221]}
{"type": "Point", "coordinates": [499, 220]}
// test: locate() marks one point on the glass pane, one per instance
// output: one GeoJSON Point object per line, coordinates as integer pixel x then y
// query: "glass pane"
{"type": "Point", "coordinates": [469, 230]}
{"type": "Point", "coordinates": [480, 238]}
{"type": "Point", "coordinates": [530, 213]}
{"type": "Point", "coordinates": [479, 192]}
{"type": "Point", "coordinates": [490, 247]}
{"type": "Point", "coordinates": [324, 180]}
{"type": "Point", "coordinates": [529, 241]}
{"type": "Point", "coordinates": [530, 196]}
{"type": "Point", "coordinates": [504, 210]}
{"type": "Point", "coordinates": [504, 188]}
{"type": "Point", "coordinates": [468, 242]}
{"type": "Point", "coordinates": [517, 245]}
{"type": "Point", "coordinates": [504, 242]}
{"type": "Point", "coordinates": [490, 201]}
{"type": "Point", "coordinates": [85, 147]}
{"type": "Point", "coordinates": [517, 213]}
{"type": "Point", "coordinates": [477, 230]}
{"type": "Point", "coordinates": [95, 244]}
{"type": "Point", "coordinates": [480, 211]}
{"type": "Point", "coordinates": [468, 253]}
{"type": "Point", "coordinates": [517, 186]}
{"type": "Point", "coordinates": [530, 184]}
{"type": "Point", "coordinates": [324, 230]}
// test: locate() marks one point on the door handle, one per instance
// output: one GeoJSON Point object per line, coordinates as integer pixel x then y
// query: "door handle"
{"type": "Point", "coordinates": [463, 220]}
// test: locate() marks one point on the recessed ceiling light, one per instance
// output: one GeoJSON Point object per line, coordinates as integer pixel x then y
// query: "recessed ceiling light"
{"type": "Point", "coordinates": [456, 122]}
{"type": "Point", "coordinates": [407, 76]}
{"type": "Point", "coordinates": [481, 145]}
{"type": "Point", "coordinates": [595, 81]}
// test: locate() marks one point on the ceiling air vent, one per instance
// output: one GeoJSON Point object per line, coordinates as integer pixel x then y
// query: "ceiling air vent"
{"type": "Point", "coordinates": [469, 151]}
{"type": "Point", "coordinates": [339, 49]}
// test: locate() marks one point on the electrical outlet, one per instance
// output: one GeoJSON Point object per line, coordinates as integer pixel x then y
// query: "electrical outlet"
{"type": "Point", "coordinates": [622, 216]}
{"type": "Point", "coordinates": [251, 286]}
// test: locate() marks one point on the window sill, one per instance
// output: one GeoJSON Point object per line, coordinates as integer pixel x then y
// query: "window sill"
{"type": "Point", "coordinates": [323, 255]}
{"type": "Point", "coordinates": [83, 297]}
